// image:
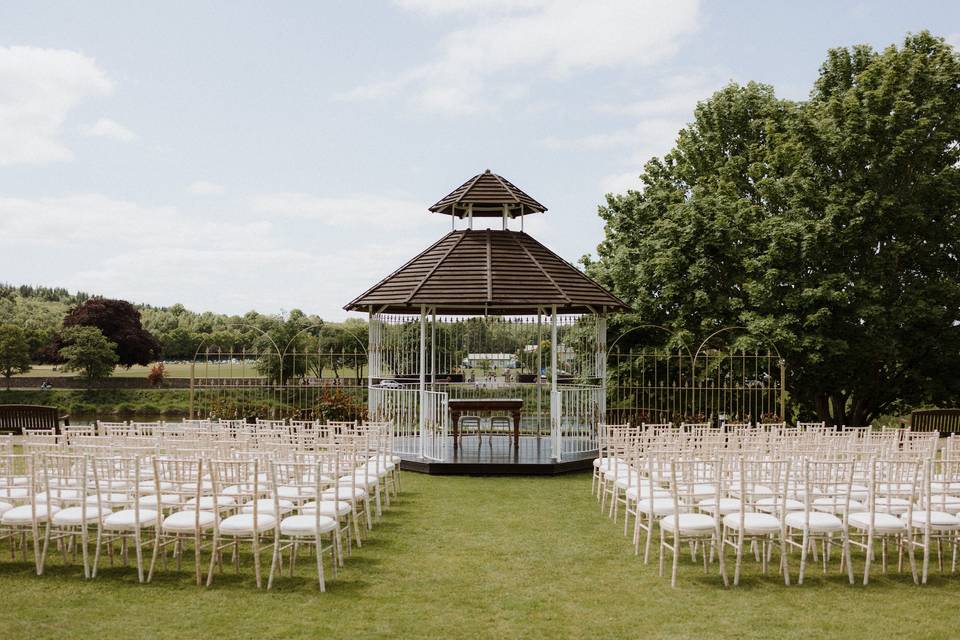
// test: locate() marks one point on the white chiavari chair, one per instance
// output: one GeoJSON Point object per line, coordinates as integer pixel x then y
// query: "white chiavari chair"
{"type": "Point", "coordinates": [241, 481]}
{"type": "Point", "coordinates": [305, 529]}
{"type": "Point", "coordinates": [130, 524]}
{"type": "Point", "coordinates": [756, 480]}
{"type": "Point", "coordinates": [68, 485]}
{"type": "Point", "coordinates": [654, 500]}
{"type": "Point", "coordinates": [929, 524]}
{"type": "Point", "coordinates": [186, 481]}
{"type": "Point", "coordinates": [827, 484]}
{"type": "Point", "coordinates": [691, 480]}
{"type": "Point", "coordinates": [26, 518]}
{"type": "Point", "coordinates": [893, 491]}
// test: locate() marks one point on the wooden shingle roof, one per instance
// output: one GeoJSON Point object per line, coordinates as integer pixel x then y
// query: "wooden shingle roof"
{"type": "Point", "coordinates": [485, 195]}
{"type": "Point", "coordinates": [487, 271]}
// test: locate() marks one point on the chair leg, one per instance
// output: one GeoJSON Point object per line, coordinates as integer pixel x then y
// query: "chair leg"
{"type": "Point", "coordinates": [803, 556]}
{"type": "Point", "coordinates": [256, 556]}
{"type": "Point", "coordinates": [320, 577]}
{"type": "Point", "coordinates": [156, 550]}
{"type": "Point", "coordinates": [736, 571]}
{"type": "Point", "coordinates": [273, 563]}
{"type": "Point", "coordinates": [868, 558]}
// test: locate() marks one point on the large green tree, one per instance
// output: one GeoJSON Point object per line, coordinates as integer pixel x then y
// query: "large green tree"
{"type": "Point", "coordinates": [828, 226]}
{"type": "Point", "coordinates": [88, 351]}
{"type": "Point", "coordinates": [14, 351]}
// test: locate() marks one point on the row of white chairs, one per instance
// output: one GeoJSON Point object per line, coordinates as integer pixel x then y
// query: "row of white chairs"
{"type": "Point", "coordinates": [784, 491]}
{"type": "Point", "coordinates": [110, 494]}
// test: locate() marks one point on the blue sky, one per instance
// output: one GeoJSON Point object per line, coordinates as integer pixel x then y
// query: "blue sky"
{"type": "Point", "coordinates": [254, 155]}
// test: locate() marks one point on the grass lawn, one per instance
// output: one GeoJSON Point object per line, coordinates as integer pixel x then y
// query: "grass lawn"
{"type": "Point", "coordinates": [477, 558]}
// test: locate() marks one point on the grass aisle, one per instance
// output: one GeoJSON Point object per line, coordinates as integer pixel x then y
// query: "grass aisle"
{"type": "Point", "coordinates": [476, 558]}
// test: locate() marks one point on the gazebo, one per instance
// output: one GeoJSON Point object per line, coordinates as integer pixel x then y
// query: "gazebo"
{"type": "Point", "coordinates": [458, 347]}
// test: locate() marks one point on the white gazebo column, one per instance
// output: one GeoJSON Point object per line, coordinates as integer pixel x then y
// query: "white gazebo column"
{"type": "Point", "coordinates": [554, 393]}
{"type": "Point", "coordinates": [423, 375]}
{"type": "Point", "coordinates": [601, 365]}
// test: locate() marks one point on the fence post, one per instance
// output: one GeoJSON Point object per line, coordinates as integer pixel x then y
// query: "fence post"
{"type": "Point", "coordinates": [783, 390]}
{"type": "Point", "coordinates": [192, 365]}
{"type": "Point", "coordinates": [423, 375]}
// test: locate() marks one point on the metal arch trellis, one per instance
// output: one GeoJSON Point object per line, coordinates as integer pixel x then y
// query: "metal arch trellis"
{"type": "Point", "coordinates": [674, 384]}
{"type": "Point", "coordinates": [756, 396]}
{"type": "Point", "coordinates": [216, 392]}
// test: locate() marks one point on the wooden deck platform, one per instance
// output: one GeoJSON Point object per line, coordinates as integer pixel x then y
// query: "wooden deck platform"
{"type": "Point", "coordinates": [500, 458]}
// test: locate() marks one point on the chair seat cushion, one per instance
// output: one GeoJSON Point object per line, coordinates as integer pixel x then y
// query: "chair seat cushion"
{"type": "Point", "coordinates": [727, 505]}
{"type": "Point", "coordinates": [186, 521]}
{"type": "Point", "coordinates": [266, 505]}
{"type": "Point", "coordinates": [644, 492]}
{"type": "Point", "coordinates": [299, 492]}
{"type": "Point", "coordinates": [111, 499]}
{"type": "Point", "coordinates": [243, 523]}
{"type": "Point", "coordinates": [206, 502]}
{"type": "Point", "coordinates": [619, 471]}
{"type": "Point", "coordinates": [820, 522]}
{"type": "Point", "coordinates": [4, 507]}
{"type": "Point", "coordinates": [882, 522]}
{"type": "Point", "coordinates": [166, 500]}
{"type": "Point", "coordinates": [945, 503]}
{"type": "Point", "coordinates": [75, 515]}
{"type": "Point", "coordinates": [689, 523]}
{"type": "Point", "coordinates": [774, 504]}
{"type": "Point", "coordinates": [348, 492]}
{"type": "Point", "coordinates": [306, 525]}
{"type": "Point", "coordinates": [127, 519]}
{"type": "Point", "coordinates": [753, 523]}
{"type": "Point", "coordinates": [837, 505]}
{"type": "Point", "coordinates": [59, 495]}
{"type": "Point", "coordinates": [659, 506]}
{"type": "Point", "coordinates": [889, 504]}
{"type": "Point", "coordinates": [328, 508]}
{"type": "Point", "coordinates": [24, 515]}
{"type": "Point", "coordinates": [358, 479]}
{"type": "Point", "coordinates": [937, 519]}
{"type": "Point", "coordinates": [13, 493]}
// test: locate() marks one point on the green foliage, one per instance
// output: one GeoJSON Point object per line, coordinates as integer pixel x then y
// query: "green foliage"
{"type": "Point", "coordinates": [89, 352]}
{"type": "Point", "coordinates": [827, 227]}
{"type": "Point", "coordinates": [158, 373]}
{"type": "Point", "coordinates": [14, 351]}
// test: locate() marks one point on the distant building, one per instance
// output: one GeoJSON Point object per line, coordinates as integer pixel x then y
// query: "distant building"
{"type": "Point", "coordinates": [501, 360]}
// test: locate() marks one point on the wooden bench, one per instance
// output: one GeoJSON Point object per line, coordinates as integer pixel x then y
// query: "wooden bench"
{"type": "Point", "coordinates": [14, 418]}
{"type": "Point", "coordinates": [946, 421]}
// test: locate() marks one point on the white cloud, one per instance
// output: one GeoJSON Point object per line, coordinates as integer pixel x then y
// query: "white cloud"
{"type": "Point", "coordinates": [481, 65]}
{"type": "Point", "coordinates": [230, 261]}
{"type": "Point", "coordinates": [653, 136]}
{"type": "Point", "coordinates": [90, 222]}
{"type": "Point", "coordinates": [357, 211]}
{"type": "Point", "coordinates": [677, 95]}
{"type": "Point", "coordinates": [621, 182]}
{"type": "Point", "coordinates": [204, 188]}
{"type": "Point", "coordinates": [38, 88]}
{"type": "Point", "coordinates": [107, 128]}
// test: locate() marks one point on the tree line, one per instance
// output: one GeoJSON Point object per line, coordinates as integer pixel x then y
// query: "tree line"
{"type": "Point", "coordinates": [92, 335]}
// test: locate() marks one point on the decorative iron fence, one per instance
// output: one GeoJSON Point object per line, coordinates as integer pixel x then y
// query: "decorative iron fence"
{"type": "Point", "coordinates": [659, 385]}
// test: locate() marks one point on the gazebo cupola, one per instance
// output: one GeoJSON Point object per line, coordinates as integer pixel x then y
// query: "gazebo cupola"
{"type": "Point", "coordinates": [510, 281]}
{"type": "Point", "coordinates": [487, 195]}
